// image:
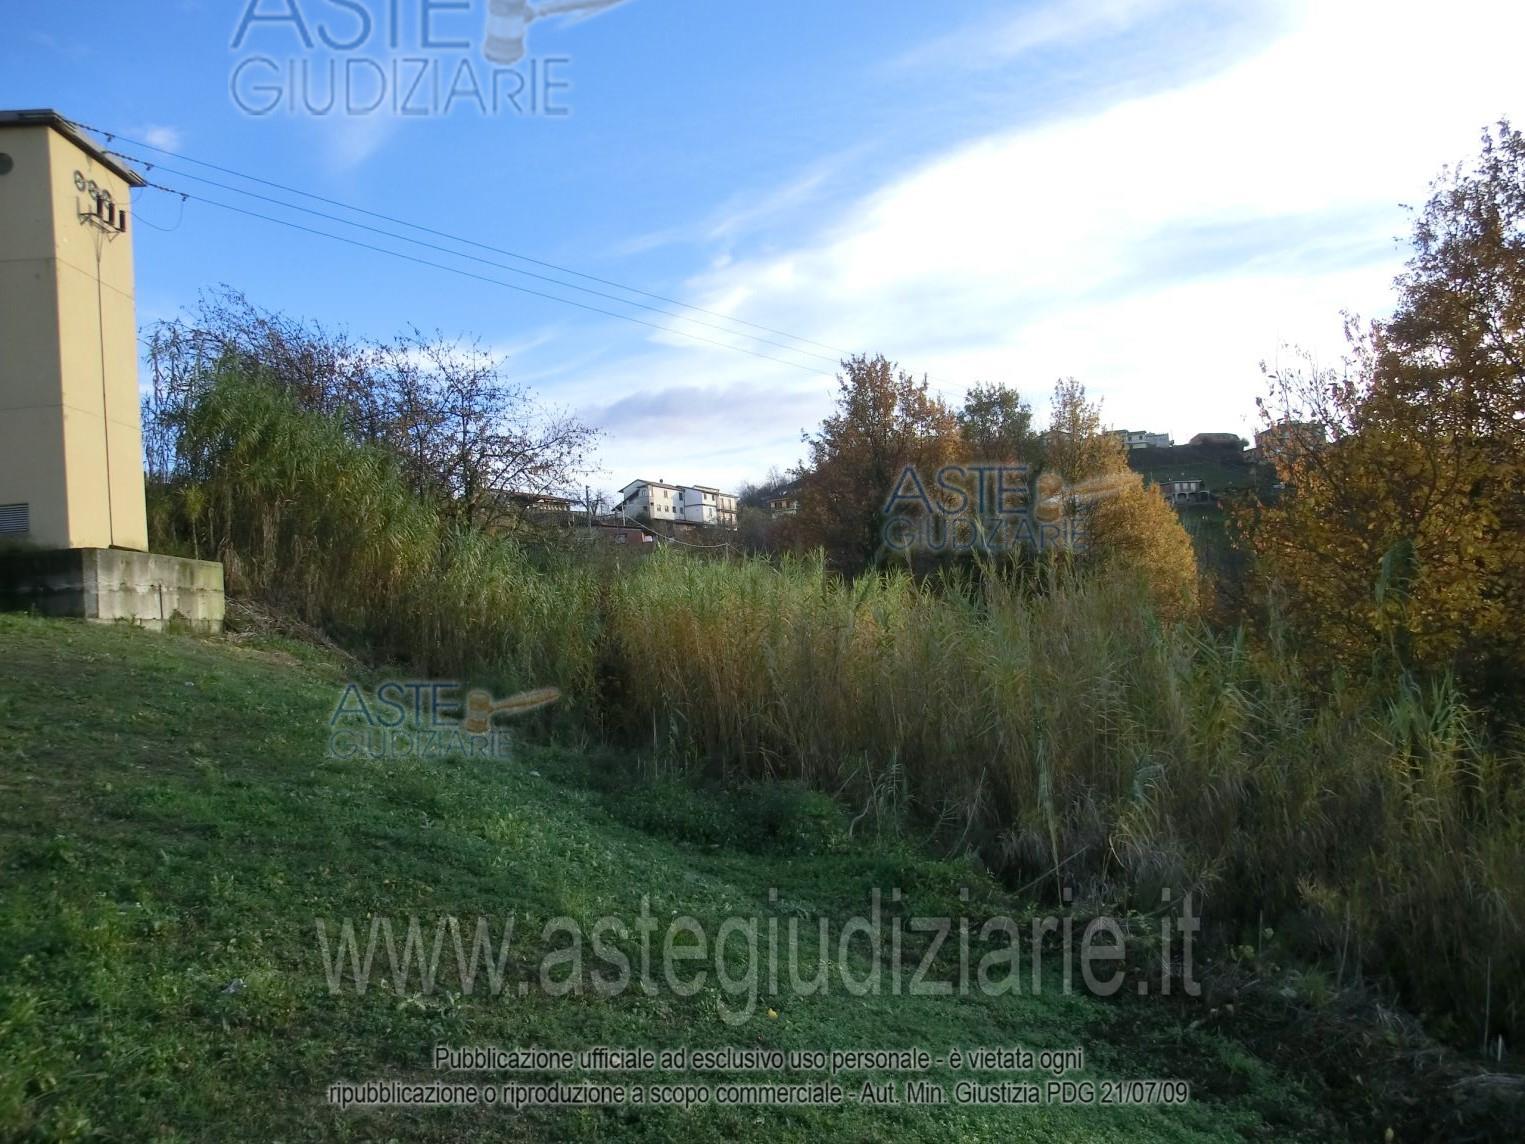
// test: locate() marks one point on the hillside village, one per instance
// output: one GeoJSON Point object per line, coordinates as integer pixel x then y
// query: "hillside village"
{"type": "Point", "coordinates": [1213, 465]}
{"type": "Point", "coordinates": [1192, 476]}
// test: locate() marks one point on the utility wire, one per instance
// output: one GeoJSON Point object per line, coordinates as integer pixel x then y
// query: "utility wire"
{"type": "Point", "coordinates": [112, 136]}
{"type": "Point", "coordinates": [151, 166]}
{"type": "Point", "coordinates": [164, 229]}
{"type": "Point", "coordinates": [669, 539]}
{"type": "Point", "coordinates": [187, 196]}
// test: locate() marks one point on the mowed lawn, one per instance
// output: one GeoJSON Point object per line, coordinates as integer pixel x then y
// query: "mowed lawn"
{"type": "Point", "coordinates": [171, 832]}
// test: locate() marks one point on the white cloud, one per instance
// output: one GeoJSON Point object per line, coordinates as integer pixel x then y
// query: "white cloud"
{"type": "Point", "coordinates": [1159, 249]}
{"type": "Point", "coordinates": [164, 138]}
{"type": "Point", "coordinates": [744, 214]}
{"type": "Point", "coordinates": [1059, 23]}
{"type": "Point", "coordinates": [350, 140]}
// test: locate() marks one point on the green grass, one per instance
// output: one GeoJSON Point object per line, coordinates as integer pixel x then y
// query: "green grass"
{"type": "Point", "coordinates": [169, 825]}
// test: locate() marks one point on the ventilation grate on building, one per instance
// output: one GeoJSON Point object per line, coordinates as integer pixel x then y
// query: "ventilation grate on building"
{"type": "Point", "coordinates": [15, 519]}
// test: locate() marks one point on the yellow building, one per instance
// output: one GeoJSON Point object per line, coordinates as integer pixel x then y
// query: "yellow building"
{"type": "Point", "coordinates": [71, 467]}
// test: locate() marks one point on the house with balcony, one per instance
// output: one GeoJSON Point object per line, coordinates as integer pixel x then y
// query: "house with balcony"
{"type": "Point", "coordinates": [1142, 439]}
{"type": "Point", "coordinates": [707, 506]}
{"type": "Point", "coordinates": [1181, 490]}
{"type": "Point", "coordinates": [651, 501]}
{"type": "Point", "coordinates": [659, 502]}
{"type": "Point", "coordinates": [785, 501]}
{"type": "Point", "coordinates": [538, 504]}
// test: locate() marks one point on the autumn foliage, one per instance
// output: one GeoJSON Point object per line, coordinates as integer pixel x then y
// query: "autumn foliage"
{"type": "Point", "coordinates": [885, 419]}
{"type": "Point", "coordinates": [1399, 536]}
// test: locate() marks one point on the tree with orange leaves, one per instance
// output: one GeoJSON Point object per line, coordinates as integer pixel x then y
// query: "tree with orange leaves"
{"type": "Point", "coordinates": [885, 420]}
{"type": "Point", "coordinates": [1400, 529]}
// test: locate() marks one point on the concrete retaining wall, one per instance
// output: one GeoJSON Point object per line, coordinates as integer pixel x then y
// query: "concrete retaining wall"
{"type": "Point", "coordinates": [109, 584]}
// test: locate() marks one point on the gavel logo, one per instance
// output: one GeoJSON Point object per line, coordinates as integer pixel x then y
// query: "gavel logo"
{"type": "Point", "coordinates": [481, 708]}
{"type": "Point", "coordinates": [508, 23]}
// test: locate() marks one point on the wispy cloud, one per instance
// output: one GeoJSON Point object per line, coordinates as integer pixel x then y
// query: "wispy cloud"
{"type": "Point", "coordinates": [1159, 247]}
{"type": "Point", "coordinates": [993, 41]}
{"type": "Point", "coordinates": [712, 422]}
{"type": "Point", "coordinates": [72, 49]}
{"type": "Point", "coordinates": [352, 140]}
{"type": "Point", "coordinates": [166, 138]}
{"type": "Point", "coordinates": [745, 213]}
{"type": "Point", "coordinates": [735, 407]}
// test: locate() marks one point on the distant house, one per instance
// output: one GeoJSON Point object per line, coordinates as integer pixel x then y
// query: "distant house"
{"type": "Point", "coordinates": [651, 500]}
{"type": "Point", "coordinates": [702, 505]}
{"type": "Point", "coordinates": [785, 501]}
{"type": "Point", "coordinates": [677, 504]}
{"type": "Point", "coordinates": [510, 509]}
{"type": "Point", "coordinates": [1142, 439]}
{"type": "Point", "coordinates": [534, 502]}
{"type": "Point", "coordinates": [1285, 437]}
{"type": "Point", "coordinates": [1182, 490]}
{"type": "Point", "coordinates": [1219, 440]}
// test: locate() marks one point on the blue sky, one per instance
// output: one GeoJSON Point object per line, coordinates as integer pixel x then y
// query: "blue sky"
{"type": "Point", "coordinates": [1152, 195]}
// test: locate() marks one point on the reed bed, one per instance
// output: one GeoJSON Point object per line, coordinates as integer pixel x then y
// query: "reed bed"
{"type": "Point", "coordinates": [331, 531]}
{"type": "Point", "coordinates": [1059, 728]}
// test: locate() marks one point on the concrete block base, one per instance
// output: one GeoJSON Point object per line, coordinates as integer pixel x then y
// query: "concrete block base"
{"type": "Point", "coordinates": [108, 584]}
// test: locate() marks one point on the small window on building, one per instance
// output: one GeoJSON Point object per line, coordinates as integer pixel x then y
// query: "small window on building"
{"type": "Point", "coordinates": [15, 519]}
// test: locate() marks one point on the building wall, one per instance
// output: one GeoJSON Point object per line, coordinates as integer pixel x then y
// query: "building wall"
{"type": "Point", "coordinates": [655, 502]}
{"type": "Point", "coordinates": [699, 506]}
{"type": "Point", "coordinates": [708, 506]}
{"type": "Point", "coordinates": [69, 364]}
{"type": "Point", "coordinates": [1142, 439]}
{"type": "Point", "coordinates": [1289, 436]}
{"type": "Point", "coordinates": [686, 504]}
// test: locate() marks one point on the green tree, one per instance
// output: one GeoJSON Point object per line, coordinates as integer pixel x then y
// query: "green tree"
{"type": "Point", "coordinates": [997, 425]}
{"type": "Point", "coordinates": [1077, 446]}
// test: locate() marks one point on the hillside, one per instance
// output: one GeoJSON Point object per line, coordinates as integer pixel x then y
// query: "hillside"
{"type": "Point", "coordinates": [170, 832]}
{"type": "Point", "coordinates": [1220, 469]}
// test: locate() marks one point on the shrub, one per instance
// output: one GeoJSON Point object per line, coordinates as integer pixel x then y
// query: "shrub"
{"type": "Point", "coordinates": [304, 518]}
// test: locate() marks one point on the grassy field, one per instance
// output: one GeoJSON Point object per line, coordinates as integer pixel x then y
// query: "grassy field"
{"type": "Point", "coordinates": [170, 830]}
{"type": "Point", "coordinates": [1044, 718]}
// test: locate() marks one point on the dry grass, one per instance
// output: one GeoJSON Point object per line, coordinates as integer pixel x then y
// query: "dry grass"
{"type": "Point", "coordinates": [1059, 728]}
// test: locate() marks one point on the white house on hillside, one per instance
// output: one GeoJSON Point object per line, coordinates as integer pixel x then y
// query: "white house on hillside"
{"type": "Point", "coordinates": [1181, 490]}
{"type": "Point", "coordinates": [684, 504]}
{"type": "Point", "coordinates": [703, 505]}
{"type": "Point", "coordinates": [652, 500]}
{"type": "Point", "coordinates": [1142, 439]}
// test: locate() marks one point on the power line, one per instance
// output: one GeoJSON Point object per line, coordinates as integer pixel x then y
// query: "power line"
{"type": "Point", "coordinates": [186, 195]}
{"type": "Point", "coordinates": [111, 136]}
{"type": "Point", "coordinates": [669, 539]}
{"type": "Point", "coordinates": [471, 257]}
